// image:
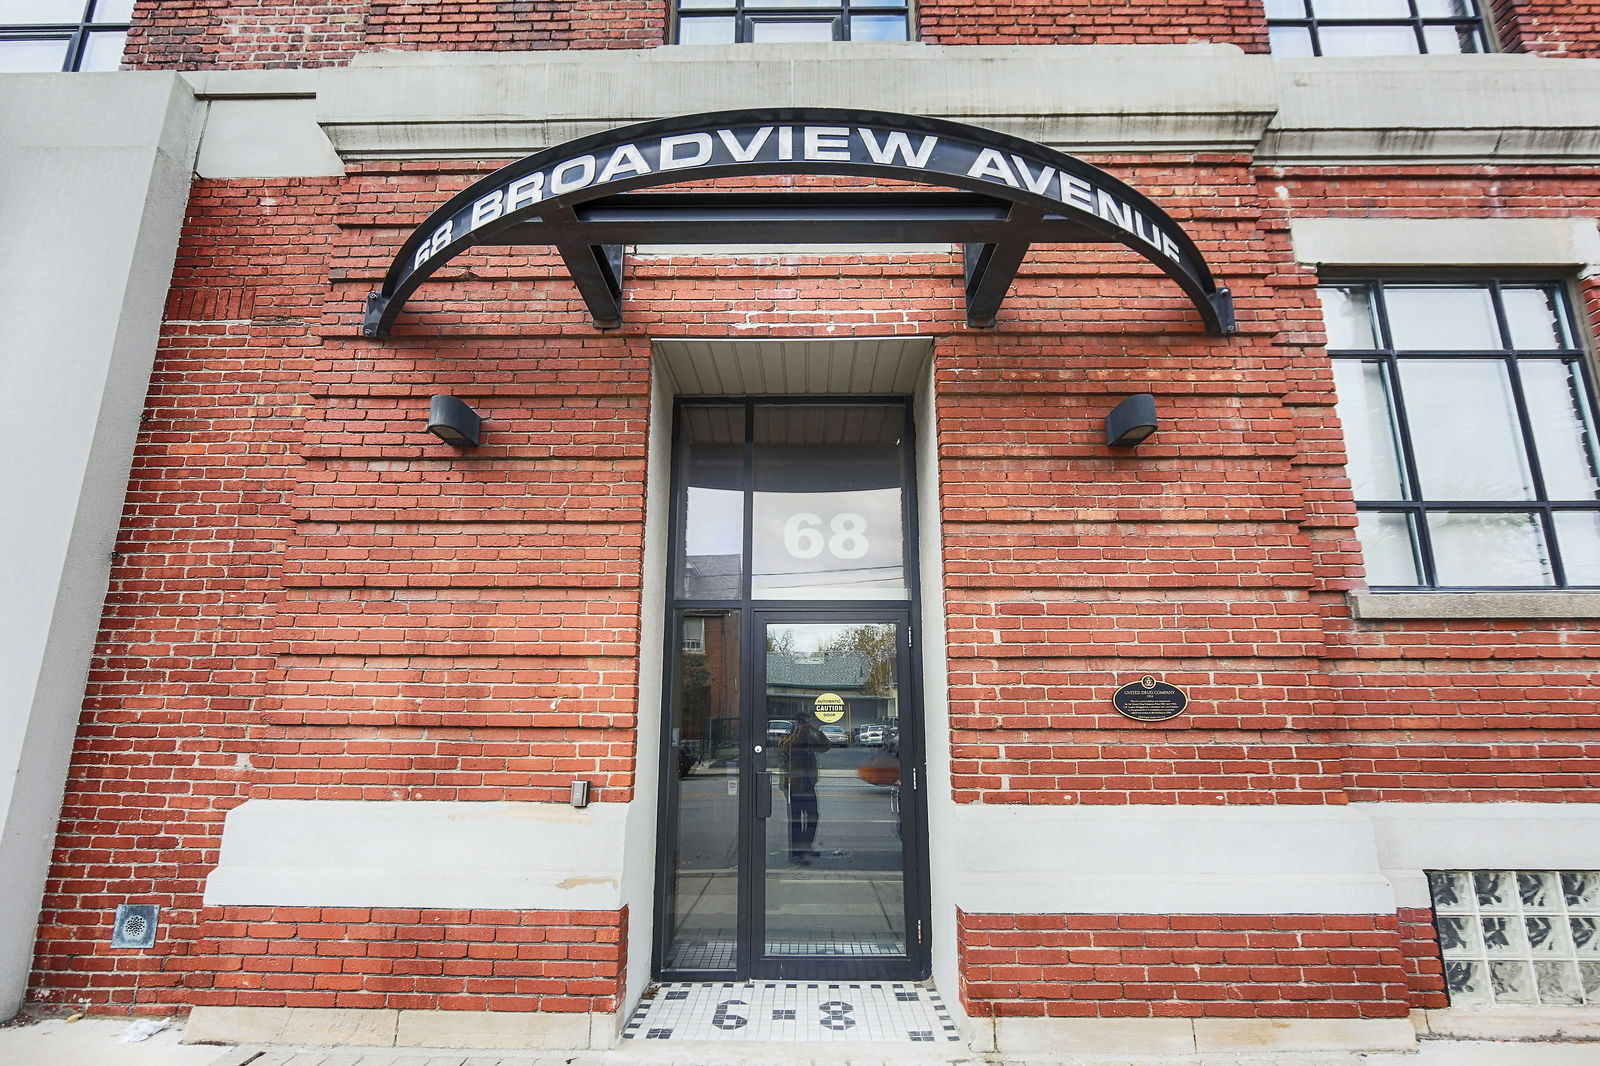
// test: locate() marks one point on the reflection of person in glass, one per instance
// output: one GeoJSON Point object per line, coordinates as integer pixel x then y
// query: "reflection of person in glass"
{"type": "Point", "coordinates": [799, 754]}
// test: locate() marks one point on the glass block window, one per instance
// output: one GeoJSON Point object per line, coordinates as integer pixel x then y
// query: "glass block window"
{"type": "Point", "coordinates": [1375, 27]}
{"type": "Point", "coordinates": [1519, 936]}
{"type": "Point", "coordinates": [742, 21]}
{"type": "Point", "coordinates": [39, 36]}
{"type": "Point", "coordinates": [1470, 427]}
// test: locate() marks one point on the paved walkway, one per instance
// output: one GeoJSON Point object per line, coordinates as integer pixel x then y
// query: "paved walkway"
{"type": "Point", "coordinates": [93, 1042]}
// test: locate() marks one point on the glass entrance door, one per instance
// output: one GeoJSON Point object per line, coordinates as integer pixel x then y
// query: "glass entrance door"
{"type": "Point", "coordinates": [832, 897]}
{"type": "Point", "coordinates": [791, 841]}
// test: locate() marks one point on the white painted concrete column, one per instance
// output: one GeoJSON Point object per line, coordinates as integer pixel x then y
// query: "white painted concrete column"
{"type": "Point", "coordinates": [94, 179]}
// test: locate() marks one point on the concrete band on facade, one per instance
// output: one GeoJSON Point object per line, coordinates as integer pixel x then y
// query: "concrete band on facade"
{"type": "Point", "coordinates": [90, 327]}
{"type": "Point", "coordinates": [1366, 858]}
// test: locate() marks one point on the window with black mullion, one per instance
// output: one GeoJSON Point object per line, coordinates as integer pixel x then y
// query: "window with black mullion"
{"type": "Point", "coordinates": [763, 21]}
{"type": "Point", "coordinates": [1469, 419]}
{"type": "Point", "coordinates": [41, 36]}
{"type": "Point", "coordinates": [1375, 27]}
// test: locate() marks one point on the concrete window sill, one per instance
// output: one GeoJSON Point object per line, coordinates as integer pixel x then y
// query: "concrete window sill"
{"type": "Point", "coordinates": [1385, 606]}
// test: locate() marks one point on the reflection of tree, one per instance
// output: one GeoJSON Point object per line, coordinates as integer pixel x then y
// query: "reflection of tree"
{"type": "Point", "coordinates": [876, 647]}
{"type": "Point", "coordinates": [695, 690]}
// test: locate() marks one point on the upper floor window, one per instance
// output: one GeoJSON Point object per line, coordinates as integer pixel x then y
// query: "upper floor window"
{"type": "Point", "coordinates": [1375, 27]}
{"type": "Point", "coordinates": [1469, 420]}
{"type": "Point", "coordinates": [730, 21]}
{"type": "Point", "coordinates": [45, 35]}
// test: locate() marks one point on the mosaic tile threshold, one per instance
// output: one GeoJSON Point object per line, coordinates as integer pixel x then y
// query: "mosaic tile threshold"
{"type": "Point", "coordinates": [798, 1012]}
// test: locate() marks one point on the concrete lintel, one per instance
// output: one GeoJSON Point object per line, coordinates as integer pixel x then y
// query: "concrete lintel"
{"type": "Point", "coordinates": [279, 84]}
{"type": "Point", "coordinates": [1118, 98]}
{"type": "Point", "coordinates": [1424, 109]}
{"type": "Point", "coordinates": [1413, 838]}
{"type": "Point", "coordinates": [1534, 606]}
{"type": "Point", "coordinates": [351, 853]}
{"type": "Point", "coordinates": [1149, 859]}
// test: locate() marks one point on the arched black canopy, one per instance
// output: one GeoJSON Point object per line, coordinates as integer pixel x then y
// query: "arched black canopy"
{"type": "Point", "coordinates": [581, 197]}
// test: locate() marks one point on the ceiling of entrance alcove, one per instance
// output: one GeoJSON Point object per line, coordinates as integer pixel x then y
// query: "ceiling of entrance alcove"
{"type": "Point", "coordinates": [821, 366]}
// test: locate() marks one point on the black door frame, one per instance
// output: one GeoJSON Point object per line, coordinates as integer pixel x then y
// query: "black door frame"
{"type": "Point", "coordinates": [753, 615]}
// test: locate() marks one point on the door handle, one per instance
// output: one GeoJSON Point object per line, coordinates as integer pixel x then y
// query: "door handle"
{"type": "Point", "coordinates": [763, 794]}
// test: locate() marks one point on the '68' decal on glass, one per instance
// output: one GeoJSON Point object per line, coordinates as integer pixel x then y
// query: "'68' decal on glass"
{"type": "Point", "coordinates": [846, 538]}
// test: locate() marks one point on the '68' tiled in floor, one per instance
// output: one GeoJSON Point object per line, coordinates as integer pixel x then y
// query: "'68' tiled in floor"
{"type": "Point", "coordinates": [793, 1011]}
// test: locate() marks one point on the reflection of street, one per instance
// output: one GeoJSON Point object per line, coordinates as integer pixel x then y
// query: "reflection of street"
{"type": "Point", "coordinates": [851, 898]}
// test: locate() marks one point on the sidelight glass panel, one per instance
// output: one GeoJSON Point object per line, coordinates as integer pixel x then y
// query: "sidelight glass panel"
{"type": "Point", "coordinates": [1563, 428]}
{"type": "Point", "coordinates": [1489, 548]}
{"type": "Point", "coordinates": [1347, 314]}
{"type": "Point", "coordinates": [1356, 9]}
{"type": "Point", "coordinates": [103, 51]}
{"type": "Point", "coordinates": [1389, 548]}
{"type": "Point", "coordinates": [1442, 319]}
{"type": "Point", "coordinates": [1464, 431]}
{"type": "Point", "coordinates": [828, 503]}
{"type": "Point", "coordinates": [1371, 435]}
{"type": "Point", "coordinates": [1452, 40]}
{"type": "Point", "coordinates": [38, 12]}
{"type": "Point", "coordinates": [703, 764]}
{"type": "Point", "coordinates": [761, 30]}
{"type": "Point", "coordinates": [878, 28]}
{"type": "Point", "coordinates": [1578, 533]}
{"type": "Point", "coordinates": [32, 57]}
{"type": "Point", "coordinates": [1367, 40]}
{"type": "Point", "coordinates": [711, 473]}
{"type": "Point", "coordinates": [714, 29]}
{"type": "Point", "coordinates": [1534, 318]}
{"type": "Point", "coordinates": [835, 870]}
{"type": "Point", "coordinates": [1291, 41]}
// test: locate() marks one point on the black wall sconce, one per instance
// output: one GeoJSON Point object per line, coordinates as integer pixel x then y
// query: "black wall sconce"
{"type": "Point", "coordinates": [1131, 421]}
{"type": "Point", "coordinates": [454, 422]}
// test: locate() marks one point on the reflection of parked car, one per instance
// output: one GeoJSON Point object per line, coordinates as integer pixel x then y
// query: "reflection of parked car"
{"type": "Point", "coordinates": [870, 735]}
{"type": "Point", "coordinates": [891, 739]}
{"type": "Point", "coordinates": [687, 757]}
{"type": "Point", "coordinates": [778, 728]}
{"type": "Point", "coordinates": [837, 735]}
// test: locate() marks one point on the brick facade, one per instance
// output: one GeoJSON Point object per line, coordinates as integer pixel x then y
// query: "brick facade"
{"type": "Point", "coordinates": [1182, 966]}
{"type": "Point", "coordinates": [312, 599]}
{"type": "Point", "coordinates": [198, 34]}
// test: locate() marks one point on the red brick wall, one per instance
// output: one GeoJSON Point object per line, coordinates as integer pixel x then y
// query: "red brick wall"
{"type": "Point", "coordinates": [315, 599]}
{"type": "Point", "coordinates": [210, 34]}
{"type": "Point", "coordinates": [1239, 22]}
{"type": "Point", "coordinates": [1419, 944]}
{"type": "Point", "coordinates": [411, 959]}
{"type": "Point", "coordinates": [516, 25]}
{"type": "Point", "coordinates": [196, 34]}
{"type": "Point", "coordinates": [1180, 966]}
{"type": "Point", "coordinates": [1547, 27]}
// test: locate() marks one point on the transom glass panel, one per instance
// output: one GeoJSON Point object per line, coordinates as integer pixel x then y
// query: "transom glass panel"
{"type": "Point", "coordinates": [822, 486]}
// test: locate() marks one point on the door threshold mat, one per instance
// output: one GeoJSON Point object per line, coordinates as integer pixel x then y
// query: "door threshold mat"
{"type": "Point", "coordinates": [800, 1012]}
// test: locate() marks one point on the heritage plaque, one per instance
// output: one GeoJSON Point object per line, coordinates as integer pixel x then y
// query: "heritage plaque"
{"type": "Point", "coordinates": [1150, 700]}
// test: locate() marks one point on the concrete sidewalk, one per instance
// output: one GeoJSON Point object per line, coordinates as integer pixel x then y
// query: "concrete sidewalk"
{"type": "Point", "coordinates": [93, 1042]}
